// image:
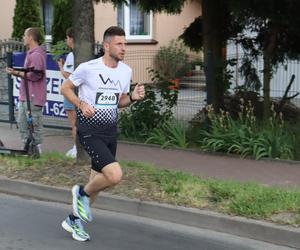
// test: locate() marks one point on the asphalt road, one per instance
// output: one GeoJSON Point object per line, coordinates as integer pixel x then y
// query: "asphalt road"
{"type": "Point", "coordinates": [30, 224]}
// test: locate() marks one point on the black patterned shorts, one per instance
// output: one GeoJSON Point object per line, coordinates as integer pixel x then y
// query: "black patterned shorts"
{"type": "Point", "coordinates": [100, 145]}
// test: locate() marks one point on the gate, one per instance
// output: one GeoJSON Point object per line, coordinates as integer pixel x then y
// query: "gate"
{"type": "Point", "coordinates": [6, 102]}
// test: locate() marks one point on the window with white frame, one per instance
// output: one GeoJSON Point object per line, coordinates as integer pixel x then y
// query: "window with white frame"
{"type": "Point", "coordinates": [136, 23]}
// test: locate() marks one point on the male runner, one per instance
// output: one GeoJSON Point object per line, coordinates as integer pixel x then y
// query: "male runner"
{"type": "Point", "coordinates": [104, 85]}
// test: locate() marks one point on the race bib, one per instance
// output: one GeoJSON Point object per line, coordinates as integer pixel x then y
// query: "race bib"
{"type": "Point", "coordinates": [106, 99]}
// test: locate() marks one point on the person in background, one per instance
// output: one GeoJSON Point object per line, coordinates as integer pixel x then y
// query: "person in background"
{"type": "Point", "coordinates": [66, 68]}
{"type": "Point", "coordinates": [35, 59]}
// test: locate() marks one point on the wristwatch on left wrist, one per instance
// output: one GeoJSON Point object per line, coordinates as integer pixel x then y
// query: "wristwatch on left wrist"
{"type": "Point", "coordinates": [131, 99]}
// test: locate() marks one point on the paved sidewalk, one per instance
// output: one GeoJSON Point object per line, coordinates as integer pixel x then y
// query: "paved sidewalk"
{"type": "Point", "coordinates": [268, 172]}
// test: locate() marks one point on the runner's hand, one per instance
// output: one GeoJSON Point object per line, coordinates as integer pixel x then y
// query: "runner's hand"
{"type": "Point", "coordinates": [139, 92]}
{"type": "Point", "coordinates": [87, 110]}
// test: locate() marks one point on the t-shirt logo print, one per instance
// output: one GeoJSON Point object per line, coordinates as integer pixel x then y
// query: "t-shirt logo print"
{"type": "Point", "coordinates": [109, 80]}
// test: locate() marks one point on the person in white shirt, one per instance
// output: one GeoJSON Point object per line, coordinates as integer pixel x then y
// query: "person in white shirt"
{"type": "Point", "coordinates": [104, 86]}
{"type": "Point", "coordinates": [66, 68]}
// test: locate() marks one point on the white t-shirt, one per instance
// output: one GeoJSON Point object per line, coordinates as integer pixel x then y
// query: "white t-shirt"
{"type": "Point", "coordinates": [69, 63]}
{"type": "Point", "coordinates": [101, 87]}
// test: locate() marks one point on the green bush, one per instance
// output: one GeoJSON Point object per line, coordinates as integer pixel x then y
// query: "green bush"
{"type": "Point", "coordinates": [169, 133]}
{"type": "Point", "coordinates": [59, 49]}
{"type": "Point", "coordinates": [192, 35]}
{"type": "Point", "coordinates": [140, 118]}
{"type": "Point", "coordinates": [171, 61]}
{"type": "Point", "coordinates": [62, 19]}
{"type": "Point", "coordinates": [27, 14]}
{"type": "Point", "coordinates": [294, 128]}
{"type": "Point", "coordinates": [244, 136]}
{"type": "Point", "coordinates": [137, 121]}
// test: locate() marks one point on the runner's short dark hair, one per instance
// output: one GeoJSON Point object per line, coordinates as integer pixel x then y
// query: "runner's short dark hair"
{"type": "Point", "coordinates": [113, 31]}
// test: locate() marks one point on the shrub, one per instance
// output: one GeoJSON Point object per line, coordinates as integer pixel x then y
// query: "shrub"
{"type": "Point", "coordinates": [169, 133]}
{"type": "Point", "coordinates": [244, 136]}
{"type": "Point", "coordinates": [171, 61]}
{"type": "Point", "coordinates": [59, 49]}
{"type": "Point", "coordinates": [26, 14]}
{"type": "Point", "coordinates": [62, 19]}
{"type": "Point", "coordinates": [141, 118]}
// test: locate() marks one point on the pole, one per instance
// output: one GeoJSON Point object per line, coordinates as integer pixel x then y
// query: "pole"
{"type": "Point", "coordinates": [11, 113]}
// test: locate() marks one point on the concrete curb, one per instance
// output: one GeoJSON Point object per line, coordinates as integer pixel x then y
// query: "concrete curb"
{"type": "Point", "coordinates": [263, 231]}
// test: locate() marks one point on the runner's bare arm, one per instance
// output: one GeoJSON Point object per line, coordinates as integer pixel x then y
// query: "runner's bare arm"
{"type": "Point", "coordinates": [67, 89]}
{"type": "Point", "coordinates": [124, 101]}
{"type": "Point", "coordinates": [137, 94]}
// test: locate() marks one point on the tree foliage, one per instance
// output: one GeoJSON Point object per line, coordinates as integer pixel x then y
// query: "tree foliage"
{"type": "Point", "coordinates": [275, 25]}
{"type": "Point", "coordinates": [193, 35]}
{"type": "Point", "coordinates": [26, 14]}
{"type": "Point", "coordinates": [271, 32]}
{"type": "Point", "coordinates": [62, 19]}
{"type": "Point", "coordinates": [170, 6]}
{"type": "Point", "coordinates": [267, 29]}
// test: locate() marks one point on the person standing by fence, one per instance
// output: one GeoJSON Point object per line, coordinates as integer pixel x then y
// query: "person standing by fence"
{"type": "Point", "coordinates": [35, 59]}
{"type": "Point", "coordinates": [66, 68]}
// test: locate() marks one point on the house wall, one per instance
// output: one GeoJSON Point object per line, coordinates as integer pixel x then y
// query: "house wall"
{"type": "Point", "coordinates": [6, 18]}
{"type": "Point", "coordinates": [105, 16]}
{"type": "Point", "coordinates": [165, 26]}
{"type": "Point", "coordinates": [139, 56]}
{"type": "Point", "coordinates": [168, 27]}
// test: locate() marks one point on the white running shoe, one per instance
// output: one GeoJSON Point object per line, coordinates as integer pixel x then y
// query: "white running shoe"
{"type": "Point", "coordinates": [72, 153]}
{"type": "Point", "coordinates": [75, 227]}
{"type": "Point", "coordinates": [81, 205]}
{"type": "Point", "coordinates": [39, 147]}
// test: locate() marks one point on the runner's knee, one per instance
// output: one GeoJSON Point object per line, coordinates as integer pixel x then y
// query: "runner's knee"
{"type": "Point", "coordinates": [115, 178]}
{"type": "Point", "coordinates": [113, 174]}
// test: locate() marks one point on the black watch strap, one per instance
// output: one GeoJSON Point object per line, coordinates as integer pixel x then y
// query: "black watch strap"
{"type": "Point", "coordinates": [130, 98]}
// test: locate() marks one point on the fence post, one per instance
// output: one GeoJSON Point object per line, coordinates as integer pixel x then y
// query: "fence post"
{"type": "Point", "coordinates": [11, 115]}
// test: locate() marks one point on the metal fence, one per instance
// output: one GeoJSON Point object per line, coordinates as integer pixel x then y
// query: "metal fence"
{"type": "Point", "coordinates": [279, 81]}
{"type": "Point", "coordinates": [191, 95]}
{"type": "Point", "coordinates": [140, 61]}
{"type": "Point", "coordinates": [191, 92]}
{"type": "Point", "coordinates": [7, 45]}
